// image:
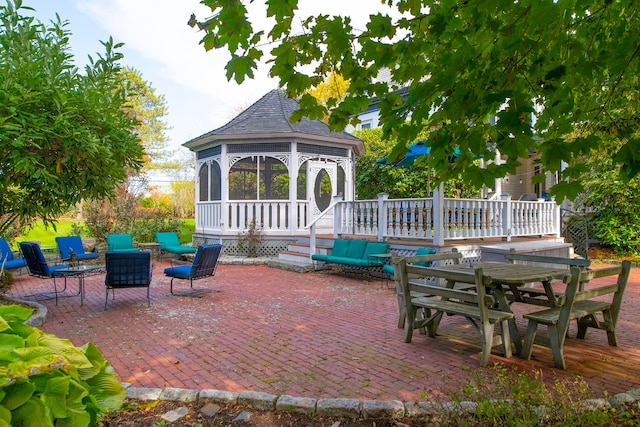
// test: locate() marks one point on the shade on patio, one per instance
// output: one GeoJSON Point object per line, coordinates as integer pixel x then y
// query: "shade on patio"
{"type": "Point", "coordinates": [415, 150]}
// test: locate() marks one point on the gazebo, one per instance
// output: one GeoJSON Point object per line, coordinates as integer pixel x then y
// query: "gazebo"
{"type": "Point", "coordinates": [261, 172]}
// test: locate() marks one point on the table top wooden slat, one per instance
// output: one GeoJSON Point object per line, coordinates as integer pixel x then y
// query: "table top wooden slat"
{"type": "Point", "coordinates": [511, 274]}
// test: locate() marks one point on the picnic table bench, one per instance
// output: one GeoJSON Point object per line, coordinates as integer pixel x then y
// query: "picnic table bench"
{"type": "Point", "coordinates": [426, 259]}
{"type": "Point", "coordinates": [580, 304]}
{"type": "Point", "coordinates": [472, 303]}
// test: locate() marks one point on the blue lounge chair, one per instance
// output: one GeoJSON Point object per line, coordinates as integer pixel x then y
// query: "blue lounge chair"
{"type": "Point", "coordinates": [204, 265]}
{"type": "Point", "coordinates": [169, 242]}
{"type": "Point", "coordinates": [39, 267]}
{"type": "Point", "coordinates": [120, 242]}
{"type": "Point", "coordinates": [71, 249]}
{"type": "Point", "coordinates": [8, 260]}
{"type": "Point", "coordinates": [127, 270]}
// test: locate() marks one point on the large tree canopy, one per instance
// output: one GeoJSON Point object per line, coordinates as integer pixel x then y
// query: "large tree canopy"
{"type": "Point", "coordinates": [65, 135]}
{"type": "Point", "coordinates": [482, 75]}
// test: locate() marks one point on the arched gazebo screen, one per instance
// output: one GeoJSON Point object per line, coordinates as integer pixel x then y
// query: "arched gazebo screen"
{"type": "Point", "coordinates": [302, 182]}
{"type": "Point", "coordinates": [210, 182]}
{"type": "Point", "coordinates": [259, 178]}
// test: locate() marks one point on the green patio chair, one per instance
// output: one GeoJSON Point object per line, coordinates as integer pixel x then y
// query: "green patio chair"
{"type": "Point", "coordinates": [121, 242]}
{"type": "Point", "coordinates": [169, 242]}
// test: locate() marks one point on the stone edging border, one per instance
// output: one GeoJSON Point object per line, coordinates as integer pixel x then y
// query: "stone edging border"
{"type": "Point", "coordinates": [338, 407]}
{"type": "Point", "coordinates": [36, 319]}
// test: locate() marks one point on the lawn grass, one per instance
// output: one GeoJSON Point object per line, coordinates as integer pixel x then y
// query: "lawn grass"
{"type": "Point", "coordinates": [47, 236]}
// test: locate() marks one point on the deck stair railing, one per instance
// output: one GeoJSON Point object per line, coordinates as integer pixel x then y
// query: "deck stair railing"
{"type": "Point", "coordinates": [575, 229]}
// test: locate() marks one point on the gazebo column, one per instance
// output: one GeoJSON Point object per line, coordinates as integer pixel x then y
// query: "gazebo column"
{"type": "Point", "coordinates": [224, 190]}
{"type": "Point", "coordinates": [292, 166]}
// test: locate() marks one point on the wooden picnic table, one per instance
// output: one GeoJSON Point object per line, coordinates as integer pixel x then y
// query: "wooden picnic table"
{"type": "Point", "coordinates": [502, 276]}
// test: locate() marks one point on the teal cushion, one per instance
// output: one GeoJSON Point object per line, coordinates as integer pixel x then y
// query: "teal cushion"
{"type": "Point", "coordinates": [320, 257]}
{"type": "Point", "coordinates": [356, 262]}
{"type": "Point", "coordinates": [356, 248]}
{"type": "Point", "coordinates": [375, 248]}
{"type": "Point", "coordinates": [340, 247]}
{"type": "Point", "coordinates": [388, 268]}
{"type": "Point", "coordinates": [180, 249]}
{"type": "Point", "coordinates": [425, 251]}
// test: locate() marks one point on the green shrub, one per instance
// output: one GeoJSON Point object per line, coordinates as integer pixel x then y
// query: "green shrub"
{"type": "Point", "coordinates": [504, 397]}
{"type": "Point", "coordinates": [153, 220]}
{"type": "Point", "coordinates": [46, 380]}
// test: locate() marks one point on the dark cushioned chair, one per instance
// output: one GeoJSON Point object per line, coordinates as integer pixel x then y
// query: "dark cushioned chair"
{"type": "Point", "coordinates": [127, 270]}
{"type": "Point", "coordinates": [38, 266]}
{"type": "Point", "coordinates": [71, 247]}
{"type": "Point", "coordinates": [8, 259]}
{"type": "Point", "coordinates": [204, 265]}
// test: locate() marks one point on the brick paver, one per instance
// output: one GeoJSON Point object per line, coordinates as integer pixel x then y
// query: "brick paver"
{"type": "Point", "coordinates": [317, 335]}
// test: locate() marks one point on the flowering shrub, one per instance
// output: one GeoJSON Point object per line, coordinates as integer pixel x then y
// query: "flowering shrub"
{"type": "Point", "coordinates": [14, 229]}
{"type": "Point", "coordinates": [117, 215]}
{"type": "Point", "coordinates": [152, 220]}
{"type": "Point", "coordinates": [123, 214]}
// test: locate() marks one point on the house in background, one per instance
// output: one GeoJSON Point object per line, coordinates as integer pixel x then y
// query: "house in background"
{"type": "Point", "coordinates": [261, 169]}
{"type": "Point", "coordinates": [518, 185]}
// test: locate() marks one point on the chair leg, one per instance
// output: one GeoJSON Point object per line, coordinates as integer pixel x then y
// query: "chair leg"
{"type": "Point", "coordinates": [106, 299]}
{"type": "Point", "coordinates": [506, 338]}
{"type": "Point", "coordinates": [610, 328]}
{"type": "Point", "coordinates": [401, 311]}
{"type": "Point", "coordinates": [487, 342]}
{"type": "Point", "coordinates": [556, 341]}
{"type": "Point", "coordinates": [55, 288]}
{"type": "Point", "coordinates": [148, 296]}
{"type": "Point", "coordinates": [529, 338]}
{"type": "Point", "coordinates": [411, 316]}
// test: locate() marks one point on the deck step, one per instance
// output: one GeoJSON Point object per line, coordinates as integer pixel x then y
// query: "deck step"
{"type": "Point", "coordinates": [288, 265]}
{"type": "Point", "coordinates": [298, 257]}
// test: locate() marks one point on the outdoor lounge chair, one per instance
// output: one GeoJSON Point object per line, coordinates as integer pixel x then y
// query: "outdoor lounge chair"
{"type": "Point", "coordinates": [120, 242]}
{"type": "Point", "coordinates": [8, 261]}
{"type": "Point", "coordinates": [71, 249]}
{"type": "Point", "coordinates": [169, 242]}
{"type": "Point", "coordinates": [204, 265]}
{"type": "Point", "coordinates": [127, 270]}
{"type": "Point", "coordinates": [38, 266]}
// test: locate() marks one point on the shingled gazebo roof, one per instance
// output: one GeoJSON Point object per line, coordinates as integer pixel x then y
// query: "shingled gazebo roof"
{"type": "Point", "coordinates": [268, 119]}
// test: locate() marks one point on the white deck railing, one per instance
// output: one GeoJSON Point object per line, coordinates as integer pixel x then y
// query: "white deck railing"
{"type": "Point", "coordinates": [461, 218]}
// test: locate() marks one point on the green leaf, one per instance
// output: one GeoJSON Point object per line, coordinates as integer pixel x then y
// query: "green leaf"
{"type": "Point", "coordinates": [17, 394]}
{"type": "Point", "coordinates": [32, 414]}
{"type": "Point", "coordinates": [13, 312]}
{"type": "Point", "coordinates": [240, 67]}
{"type": "Point", "coordinates": [5, 417]}
{"type": "Point", "coordinates": [8, 343]}
{"type": "Point", "coordinates": [54, 396]}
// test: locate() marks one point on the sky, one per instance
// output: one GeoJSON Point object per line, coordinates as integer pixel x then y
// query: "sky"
{"type": "Point", "coordinates": [166, 51]}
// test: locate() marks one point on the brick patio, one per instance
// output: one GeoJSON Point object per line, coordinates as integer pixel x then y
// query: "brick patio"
{"type": "Point", "coordinates": [313, 334]}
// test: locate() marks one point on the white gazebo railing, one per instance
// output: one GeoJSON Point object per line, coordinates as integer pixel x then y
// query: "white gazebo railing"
{"type": "Point", "coordinates": [272, 216]}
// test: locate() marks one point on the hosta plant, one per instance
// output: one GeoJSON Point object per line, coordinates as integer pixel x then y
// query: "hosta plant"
{"type": "Point", "coordinates": [46, 380]}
